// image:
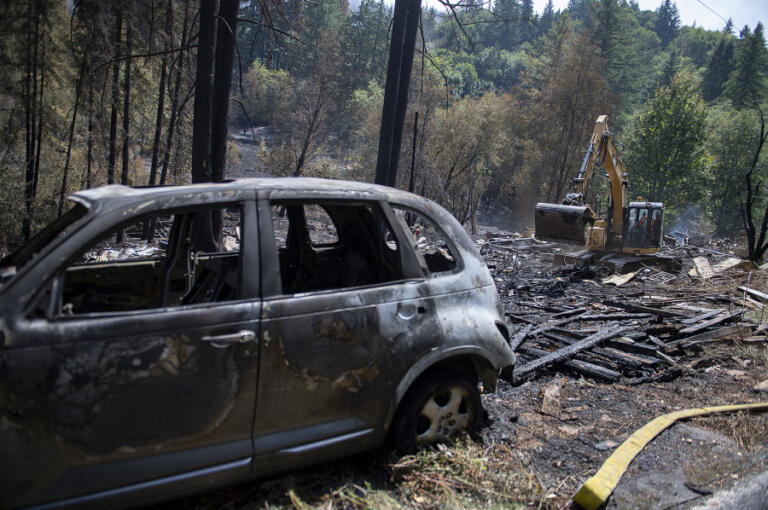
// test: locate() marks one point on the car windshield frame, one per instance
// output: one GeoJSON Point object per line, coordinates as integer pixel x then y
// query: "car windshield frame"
{"type": "Point", "coordinates": [60, 227]}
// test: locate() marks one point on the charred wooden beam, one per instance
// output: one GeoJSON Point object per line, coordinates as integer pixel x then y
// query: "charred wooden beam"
{"type": "Point", "coordinates": [582, 367]}
{"type": "Point", "coordinates": [570, 351]}
{"type": "Point", "coordinates": [641, 308]}
{"type": "Point", "coordinates": [711, 322]}
{"type": "Point", "coordinates": [519, 338]}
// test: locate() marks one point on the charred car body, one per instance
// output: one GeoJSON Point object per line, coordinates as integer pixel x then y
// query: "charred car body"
{"type": "Point", "coordinates": [143, 357]}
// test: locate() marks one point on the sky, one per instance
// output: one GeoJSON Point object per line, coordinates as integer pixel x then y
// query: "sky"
{"type": "Point", "coordinates": [743, 12]}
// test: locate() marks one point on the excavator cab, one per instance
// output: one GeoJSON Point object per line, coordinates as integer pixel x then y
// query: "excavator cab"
{"type": "Point", "coordinates": [643, 227]}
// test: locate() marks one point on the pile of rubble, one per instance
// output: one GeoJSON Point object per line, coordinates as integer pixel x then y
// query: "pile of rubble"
{"type": "Point", "coordinates": [648, 325]}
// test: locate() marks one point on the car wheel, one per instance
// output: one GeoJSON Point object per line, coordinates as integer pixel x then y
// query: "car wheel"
{"type": "Point", "coordinates": [438, 410]}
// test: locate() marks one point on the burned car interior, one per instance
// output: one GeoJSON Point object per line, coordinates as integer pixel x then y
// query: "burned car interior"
{"type": "Point", "coordinates": [158, 261]}
{"type": "Point", "coordinates": [331, 245]}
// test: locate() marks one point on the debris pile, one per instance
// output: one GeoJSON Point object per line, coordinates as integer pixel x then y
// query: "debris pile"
{"type": "Point", "coordinates": [645, 326]}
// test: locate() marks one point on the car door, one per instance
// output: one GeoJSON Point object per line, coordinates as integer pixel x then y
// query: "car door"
{"type": "Point", "coordinates": [346, 312]}
{"type": "Point", "coordinates": [139, 386]}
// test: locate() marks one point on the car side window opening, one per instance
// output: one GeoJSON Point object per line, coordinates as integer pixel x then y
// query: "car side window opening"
{"type": "Point", "coordinates": [431, 242]}
{"type": "Point", "coordinates": [333, 245]}
{"type": "Point", "coordinates": [162, 260]}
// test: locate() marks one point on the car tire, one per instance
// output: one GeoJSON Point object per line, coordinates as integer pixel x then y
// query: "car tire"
{"type": "Point", "coordinates": [438, 410]}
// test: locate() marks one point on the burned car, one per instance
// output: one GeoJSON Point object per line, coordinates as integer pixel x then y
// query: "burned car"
{"type": "Point", "coordinates": [164, 340]}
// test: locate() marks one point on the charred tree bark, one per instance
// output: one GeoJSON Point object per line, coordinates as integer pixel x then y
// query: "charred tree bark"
{"type": "Point", "coordinates": [222, 82]}
{"type": "Point", "coordinates": [756, 247]}
{"type": "Point", "coordinates": [30, 106]}
{"type": "Point", "coordinates": [205, 234]}
{"type": "Point", "coordinates": [201, 131]}
{"type": "Point", "coordinates": [115, 99]}
{"type": "Point", "coordinates": [38, 143]}
{"type": "Point", "coordinates": [127, 107]}
{"type": "Point", "coordinates": [161, 98]}
{"type": "Point", "coordinates": [175, 98]}
{"type": "Point", "coordinates": [89, 150]}
{"type": "Point", "coordinates": [78, 88]}
{"type": "Point", "coordinates": [404, 28]}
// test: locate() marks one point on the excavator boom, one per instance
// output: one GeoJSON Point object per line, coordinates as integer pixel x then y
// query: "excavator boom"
{"type": "Point", "coordinates": [569, 222]}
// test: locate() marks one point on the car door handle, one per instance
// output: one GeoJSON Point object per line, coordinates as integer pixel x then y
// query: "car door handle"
{"type": "Point", "coordinates": [241, 337]}
{"type": "Point", "coordinates": [409, 310]}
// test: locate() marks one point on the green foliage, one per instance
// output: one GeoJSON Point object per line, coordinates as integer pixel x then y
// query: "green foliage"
{"type": "Point", "coordinates": [695, 43]}
{"type": "Point", "coordinates": [568, 91]}
{"type": "Point", "coordinates": [664, 147]}
{"type": "Point", "coordinates": [667, 22]}
{"type": "Point", "coordinates": [269, 94]}
{"type": "Point", "coordinates": [747, 84]}
{"type": "Point", "coordinates": [718, 68]}
{"type": "Point", "coordinates": [464, 146]}
{"type": "Point", "coordinates": [731, 143]}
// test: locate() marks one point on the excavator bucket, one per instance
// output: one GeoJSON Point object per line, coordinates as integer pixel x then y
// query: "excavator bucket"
{"type": "Point", "coordinates": [563, 223]}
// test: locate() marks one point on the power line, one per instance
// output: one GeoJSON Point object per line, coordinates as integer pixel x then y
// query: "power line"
{"type": "Point", "coordinates": [711, 9]}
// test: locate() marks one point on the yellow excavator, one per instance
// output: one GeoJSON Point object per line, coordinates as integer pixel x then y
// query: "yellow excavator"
{"type": "Point", "coordinates": [628, 237]}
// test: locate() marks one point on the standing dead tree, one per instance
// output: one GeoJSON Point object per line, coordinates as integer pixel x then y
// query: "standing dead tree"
{"type": "Point", "coordinates": [756, 247]}
{"type": "Point", "coordinates": [404, 28]}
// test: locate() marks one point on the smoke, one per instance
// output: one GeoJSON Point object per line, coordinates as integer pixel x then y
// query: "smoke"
{"type": "Point", "coordinates": [685, 223]}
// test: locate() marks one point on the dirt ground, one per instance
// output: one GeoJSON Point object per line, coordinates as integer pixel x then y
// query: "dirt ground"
{"type": "Point", "coordinates": [545, 436]}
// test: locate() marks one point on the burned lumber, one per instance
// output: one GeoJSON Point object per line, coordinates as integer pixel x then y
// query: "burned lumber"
{"type": "Point", "coordinates": [631, 346]}
{"type": "Point", "coordinates": [641, 308]}
{"type": "Point", "coordinates": [704, 316]}
{"type": "Point", "coordinates": [755, 293]}
{"type": "Point", "coordinates": [624, 360]}
{"type": "Point", "coordinates": [711, 322]}
{"type": "Point", "coordinates": [582, 367]}
{"type": "Point", "coordinates": [624, 343]}
{"type": "Point", "coordinates": [612, 316]}
{"type": "Point", "coordinates": [555, 324]}
{"type": "Point", "coordinates": [518, 318]}
{"type": "Point", "coordinates": [568, 313]}
{"type": "Point", "coordinates": [569, 351]}
{"type": "Point", "coordinates": [590, 356]}
{"type": "Point", "coordinates": [519, 337]}
{"type": "Point", "coordinates": [709, 336]}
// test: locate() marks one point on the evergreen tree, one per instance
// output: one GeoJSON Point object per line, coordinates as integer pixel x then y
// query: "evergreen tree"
{"type": "Point", "coordinates": [507, 29]}
{"type": "Point", "coordinates": [669, 70]}
{"type": "Point", "coordinates": [547, 18]}
{"type": "Point", "coordinates": [667, 22]}
{"type": "Point", "coordinates": [748, 81]}
{"type": "Point", "coordinates": [579, 10]}
{"type": "Point", "coordinates": [718, 68]}
{"type": "Point", "coordinates": [527, 21]}
{"type": "Point", "coordinates": [608, 25]}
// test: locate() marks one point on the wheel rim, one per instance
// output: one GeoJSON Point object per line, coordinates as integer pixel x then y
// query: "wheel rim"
{"type": "Point", "coordinates": [445, 414]}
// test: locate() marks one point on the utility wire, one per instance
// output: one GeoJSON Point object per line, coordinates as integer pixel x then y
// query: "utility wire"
{"type": "Point", "coordinates": [711, 9]}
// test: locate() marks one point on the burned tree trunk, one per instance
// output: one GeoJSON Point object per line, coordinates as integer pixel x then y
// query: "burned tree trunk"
{"type": "Point", "coordinates": [201, 130]}
{"type": "Point", "coordinates": [222, 82]}
{"type": "Point", "coordinates": [404, 27]}
{"type": "Point", "coordinates": [126, 108]}
{"type": "Point", "coordinates": [78, 87]}
{"type": "Point", "coordinates": [115, 99]}
{"type": "Point", "coordinates": [175, 98]}
{"type": "Point", "coordinates": [756, 247]}
{"type": "Point", "coordinates": [161, 97]}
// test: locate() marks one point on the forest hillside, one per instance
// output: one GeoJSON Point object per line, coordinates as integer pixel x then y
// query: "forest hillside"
{"type": "Point", "coordinates": [97, 92]}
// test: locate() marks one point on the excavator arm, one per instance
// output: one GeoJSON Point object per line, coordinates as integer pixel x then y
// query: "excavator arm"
{"type": "Point", "coordinates": [567, 222]}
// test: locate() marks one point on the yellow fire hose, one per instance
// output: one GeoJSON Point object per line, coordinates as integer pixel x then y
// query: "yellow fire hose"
{"type": "Point", "coordinates": [597, 489]}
